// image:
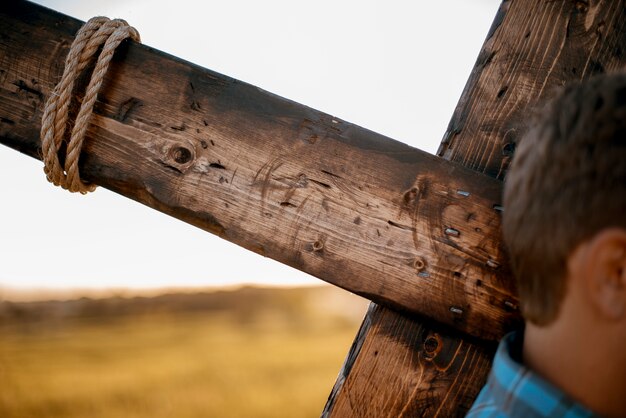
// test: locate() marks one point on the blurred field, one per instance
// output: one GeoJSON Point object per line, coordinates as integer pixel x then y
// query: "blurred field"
{"type": "Point", "coordinates": [245, 353]}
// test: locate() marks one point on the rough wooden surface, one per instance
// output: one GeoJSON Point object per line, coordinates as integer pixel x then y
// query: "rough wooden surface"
{"type": "Point", "coordinates": [532, 47]}
{"type": "Point", "coordinates": [400, 367]}
{"type": "Point", "coordinates": [389, 222]}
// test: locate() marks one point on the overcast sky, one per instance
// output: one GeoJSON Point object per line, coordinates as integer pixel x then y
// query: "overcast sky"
{"type": "Point", "coordinates": [395, 67]}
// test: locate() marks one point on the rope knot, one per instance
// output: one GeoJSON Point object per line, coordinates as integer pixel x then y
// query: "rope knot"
{"type": "Point", "coordinates": [97, 32]}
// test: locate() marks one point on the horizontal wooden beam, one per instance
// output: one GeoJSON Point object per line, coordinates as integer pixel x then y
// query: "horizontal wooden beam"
{"type": "Point", "coordinates": [377, 217]}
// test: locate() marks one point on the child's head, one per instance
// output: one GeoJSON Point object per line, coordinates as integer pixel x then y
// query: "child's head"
{"type": "Point", "coordinates": [565, 200]}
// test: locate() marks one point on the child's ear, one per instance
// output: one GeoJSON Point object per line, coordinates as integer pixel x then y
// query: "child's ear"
{"type": "Point", "coordinates": [606, 273]}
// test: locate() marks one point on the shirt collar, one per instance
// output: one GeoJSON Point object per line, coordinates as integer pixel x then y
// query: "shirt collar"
{"type": "Point", "coordinates": [517, 388]}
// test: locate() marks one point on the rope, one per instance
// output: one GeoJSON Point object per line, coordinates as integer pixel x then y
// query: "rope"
{"type": "Point", "coordinates": [92, 35]}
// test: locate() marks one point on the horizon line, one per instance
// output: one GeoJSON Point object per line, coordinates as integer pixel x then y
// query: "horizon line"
{"type": "Point", "coordinates": [10, 293]}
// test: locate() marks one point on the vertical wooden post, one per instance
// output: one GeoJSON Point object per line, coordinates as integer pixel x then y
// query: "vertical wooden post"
{"type": "Point", "coordinates": [404, 366]}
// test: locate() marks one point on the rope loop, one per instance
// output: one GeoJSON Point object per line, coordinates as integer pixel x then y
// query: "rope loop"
{"type": "Point", "coordinates": [97, 32]}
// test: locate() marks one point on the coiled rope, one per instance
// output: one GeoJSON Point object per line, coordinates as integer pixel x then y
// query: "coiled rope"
{"type": "Point", "coordinates": [97, 32]}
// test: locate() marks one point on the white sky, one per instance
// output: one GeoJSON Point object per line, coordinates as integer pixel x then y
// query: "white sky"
{"type": "Point", "coordinates": [395, 67]}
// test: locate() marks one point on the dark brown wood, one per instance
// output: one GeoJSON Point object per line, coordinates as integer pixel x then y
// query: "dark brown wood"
{"type": "Point", "coordinates": [386, 221]}
{"type": "Point", "coordinates": [402, 367]}
{"type": "Point", "coordinates": [532, 47]}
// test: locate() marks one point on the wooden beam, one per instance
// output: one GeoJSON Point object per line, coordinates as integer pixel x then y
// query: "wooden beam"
{"type": "Point", "coordinates": [399, 366]}
{"type": "Point", "coordinates": [386, 221]}
{"type": "Point", "coordinates": [532, 47]}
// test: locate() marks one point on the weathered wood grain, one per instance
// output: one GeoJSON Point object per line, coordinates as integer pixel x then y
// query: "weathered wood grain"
{"type": "Point", "coordinates": [402, 367]}
{"type": "Point", "coordinates": [364, 212]}
{"type": "Point", "coordinates": [532, 47]}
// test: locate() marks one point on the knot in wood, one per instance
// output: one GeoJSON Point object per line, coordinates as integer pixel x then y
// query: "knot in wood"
{"type": "Point", "coordinates": [181, 155]}
{"type": "Point", "coordinates": [317, 245]}
{"type": "Point", "coordinates": [410, 196]}
{"type": "Point", "coordinates": [419, 264]}
{"type": "Point", "coordinates": [177, 154]}
{"type": "Point", "coordinates": [432, 346]}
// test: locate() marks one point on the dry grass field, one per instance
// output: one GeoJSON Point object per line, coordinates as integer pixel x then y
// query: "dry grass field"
{"type": "Point", "coordinates": [245, 353]}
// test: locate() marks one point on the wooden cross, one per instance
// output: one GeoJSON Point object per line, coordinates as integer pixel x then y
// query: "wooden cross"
{"type": "Point", "coordinates": [415, 233]}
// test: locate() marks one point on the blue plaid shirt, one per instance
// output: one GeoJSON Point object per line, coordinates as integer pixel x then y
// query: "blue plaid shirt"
{"type": "Point", "coordinates": [514, 391]}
